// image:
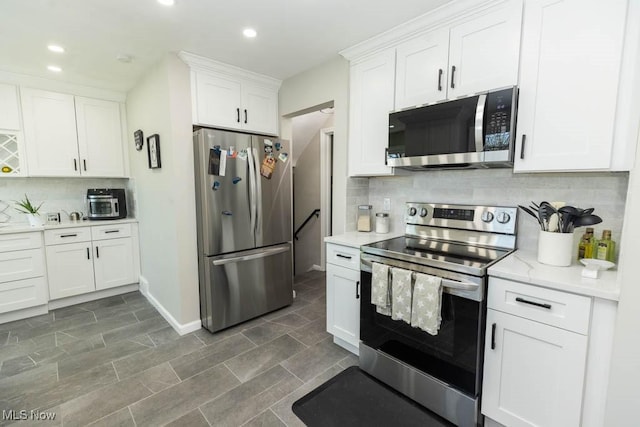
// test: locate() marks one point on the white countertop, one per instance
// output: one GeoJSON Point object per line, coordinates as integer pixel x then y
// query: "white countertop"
{"type": "Point", "coordinates": [522, 266]}
{"type": "Point", "coordinates": [17, 227]}
{"type": "Point", "coordinates": [355, 239]}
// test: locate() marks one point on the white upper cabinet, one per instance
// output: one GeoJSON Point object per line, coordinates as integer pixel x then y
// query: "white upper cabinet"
{"type": "Point", "coordinates": [569, 79]}
{"type": "Point", "coordinates": [9, 110]}
{"type": "Point", "coordinates": [99, 137]}
{"type": "Point", "coordinates": [50, 133]}
{"type": "Point", "coordinates": [477, 55]}
{"type": "Point", "coordinates": [72, 136]}
{"type": "Point", "coordinates": [12, 155]}
{"type": "Point", "coordinates": [371, 100]}
{"type": "Point", "coordinates": [228, 97]}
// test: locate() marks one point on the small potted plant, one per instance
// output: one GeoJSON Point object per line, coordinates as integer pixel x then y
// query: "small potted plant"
{"type": "Point", "coordinates": [25, 206]}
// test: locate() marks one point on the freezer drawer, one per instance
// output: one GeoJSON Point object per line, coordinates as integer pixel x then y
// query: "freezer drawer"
{"type": "Point", "coordinates": [244, 285]}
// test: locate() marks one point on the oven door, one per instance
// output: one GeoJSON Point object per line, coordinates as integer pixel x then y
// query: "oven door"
{"type": "Point", "coordinates": [453, 356]}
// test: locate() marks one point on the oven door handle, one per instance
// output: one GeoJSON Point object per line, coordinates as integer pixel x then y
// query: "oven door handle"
{"type": "Point", "coordinates": [464, 286]}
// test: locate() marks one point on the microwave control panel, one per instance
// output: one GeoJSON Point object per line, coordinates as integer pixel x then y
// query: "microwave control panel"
{"type": "Point", "coordinates": [498, 119]}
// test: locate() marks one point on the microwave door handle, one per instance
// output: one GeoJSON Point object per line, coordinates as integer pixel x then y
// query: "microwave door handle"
{"type": "Point", "coordinates": [479, 122]}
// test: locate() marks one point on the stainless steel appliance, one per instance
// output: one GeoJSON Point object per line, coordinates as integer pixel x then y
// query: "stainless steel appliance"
{"type": "Point", "coordinates": [471, 132]}
{"type": "Point", "coordinates": [243, 206]}
{"type": "Point", "coordinates": [106, 203]}
{"type": "Point", "coordinates": [457, 243]}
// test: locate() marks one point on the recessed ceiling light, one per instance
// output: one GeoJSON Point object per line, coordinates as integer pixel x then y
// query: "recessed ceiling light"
{"type": "Point", "coordinates": [166, 2]}
{"type": "Point", "coordinates": [249, 33]}
{"type": "Point", "coordinates": [55, 48]}
{"type": "Point", "coordinates": [54, 68]}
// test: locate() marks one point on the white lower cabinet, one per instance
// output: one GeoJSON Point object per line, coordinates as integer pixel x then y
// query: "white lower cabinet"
{"type": "Point", "coordinates": [343, 296]}
{"type": "Point", "coordinates": [22, 273]}
{"type": "Point", "coordinates": [535, 355]}
{"type": "Point", "coordinates": [99, 257]}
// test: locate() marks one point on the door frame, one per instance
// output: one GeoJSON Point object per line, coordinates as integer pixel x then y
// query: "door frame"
{"type": "Point", "coordinates": [326, 140]}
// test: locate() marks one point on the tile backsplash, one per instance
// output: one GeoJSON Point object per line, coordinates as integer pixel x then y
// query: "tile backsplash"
{"type": "Point", "coordinates": [604, 191]}
{"type": "Point", "coordinates": [58, 194]}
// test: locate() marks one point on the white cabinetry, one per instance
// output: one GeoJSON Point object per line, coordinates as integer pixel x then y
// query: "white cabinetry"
{"type": "Point", "coordinates": [72, 136]}
{"type": "Point", "coordinates": [11, 142]}
{"type": "Point", "coordinates": [569, 80]}
{"type": "Point", "coordinates": [474, 56]}
{"type": "Point", "coordinates": [84, 259]}
{"type": "Point", "coordinates": [343, 295]}
{"type": "Point", "coordinates": [22, 272]}
{"type": "Point", "coordinates": [535, 355]}
{"type": "Point", "coordinates": [232, 98]}
{"type": "Point", "coordinates": [370, 100]}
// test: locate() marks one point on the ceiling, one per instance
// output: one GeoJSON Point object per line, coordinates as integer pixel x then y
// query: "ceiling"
{"type": "Point", "coordinates": [293, 35]}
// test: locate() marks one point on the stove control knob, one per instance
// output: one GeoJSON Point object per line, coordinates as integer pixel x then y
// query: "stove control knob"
{"type": "Point", "coordinates": [503, 217]}
{"type": "Point", "coordinates": [487, 216]}
{"type": "Point", "coordinates": [423, 212]}
{"type": "Point", "coordinates": [412, 211]}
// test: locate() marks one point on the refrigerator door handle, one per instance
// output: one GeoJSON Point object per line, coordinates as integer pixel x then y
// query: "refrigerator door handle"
{"type": "Point", "coordinates": [263, 254]}
{"type": "Point", "coordinates": [258, 228]}
{"type": "Point", "coordinates": [252, 188]}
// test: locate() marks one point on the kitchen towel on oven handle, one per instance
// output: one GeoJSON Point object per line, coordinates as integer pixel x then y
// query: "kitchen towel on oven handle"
{"type": "Point", "coordinates": [427, 303]}
{"type": "Point", "coordinates": [401, 294]}
{"type": "Point", "coordinates": [380, 296]}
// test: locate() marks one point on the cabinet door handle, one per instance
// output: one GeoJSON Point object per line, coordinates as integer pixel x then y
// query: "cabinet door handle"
{"type": "Point", "coordinates": [440, 79]}
{"type": "Point", "coordinates": [84, 164]}
{"type": "Point", "coordinates": [238, 114]}
{"type": "Point", "coordinates": [358, 289]}
{"type": "Point", "coordinates": [111, 231]}
{"type": "Point", "coordinates": [97, 252]}
{"type": "Point", "coordinates": [493, 336]}
{"type": "Point", "coordinates": [75, 165]}
{"type": "Point", "coordinates": [453, 73]}
{"type": "Point", "coordinates": [245, 116]}
{"type": "Point", "coordinates": [68, 235]}
{"type": "Point", "coordinates": [88, 254]}
{"type": "Point", "coordinates": [537, 304]}
{"type": "Point", "coordinates": [343, 256]}
{"type": "Point", "coordinates": [524, 139]}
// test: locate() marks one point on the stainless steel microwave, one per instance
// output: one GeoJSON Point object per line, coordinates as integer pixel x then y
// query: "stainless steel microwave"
{"type": "Point", "coordinates": [106, 203]}
{"type": "Point", "coordinates": [471, 132]}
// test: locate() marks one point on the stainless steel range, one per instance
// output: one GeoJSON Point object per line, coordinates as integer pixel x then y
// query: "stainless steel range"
{"type": "Point", "coordinates": [455, 243]}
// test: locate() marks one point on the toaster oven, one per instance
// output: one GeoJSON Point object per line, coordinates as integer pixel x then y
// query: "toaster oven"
{"type": "Point", "coordinates": [106, 203]}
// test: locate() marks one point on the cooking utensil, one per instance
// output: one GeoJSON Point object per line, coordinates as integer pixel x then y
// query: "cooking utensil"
{"type": "Point", "coordinates": [567, 216]}
{"type": "Point", "coordinates": [545, 211]}
{"type": "Point", "coordinates": [533, 214]}
{"type": "Point", "coordinates": [587, 220]}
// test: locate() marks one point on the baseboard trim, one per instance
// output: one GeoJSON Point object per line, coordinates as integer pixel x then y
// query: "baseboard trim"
{"type": "Point", "coordinates": [104, 293]}
{"type": "Point", "coordinates": [24, 313]}
{"type": "Point", "coordinates": [180, 328]}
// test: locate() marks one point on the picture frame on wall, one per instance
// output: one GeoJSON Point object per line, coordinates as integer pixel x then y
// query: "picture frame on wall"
{"type": "Point", "coordinates": [153, 150]}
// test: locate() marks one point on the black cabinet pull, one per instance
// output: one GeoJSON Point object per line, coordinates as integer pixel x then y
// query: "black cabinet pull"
{"type": "Point", "coordinates": [358, 289]}
{"type": "Point", "coordinates": [75, 165]}
{"type": "Point", "coordinates": [97, 252]}
{"type": "Point", "coordinates": [88, 254]}
{"type": "Point", "coordinates": [537, 304]}
{"type": "Point", "coordinates": [245, 116]}
{"type": "Point", "coordinates": [343, 256]}
{"type": "Point", "coordinates": [238, 114]}
{"type": "Point", "coordinates": [111, 231]}
{"type": "Point", "coordinates": [524, 139]}
{"type": "Point", "coordinates": [453, 73]}
{"type": "Point", "coordinates": [493, 336]}
{"type": "Point", "coordinates": [68, 235]}
{"type": "Point", "coordinates": [84, 164]}
{"type": "Point", "coordinates": [440, 79]}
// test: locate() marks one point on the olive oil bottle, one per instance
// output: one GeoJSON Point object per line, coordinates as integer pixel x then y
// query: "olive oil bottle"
{"type": "Point", "coordinates": [585, 247]}
{"type": "Point", "coordinates": [606, 248]}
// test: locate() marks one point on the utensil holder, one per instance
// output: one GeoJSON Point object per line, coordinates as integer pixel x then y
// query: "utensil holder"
{"type": "Point", "coordinates": [555, 248]}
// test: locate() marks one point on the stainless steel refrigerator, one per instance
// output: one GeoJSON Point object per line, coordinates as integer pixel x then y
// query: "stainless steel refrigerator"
{"type": "Point", "coordinates": [243, 203]}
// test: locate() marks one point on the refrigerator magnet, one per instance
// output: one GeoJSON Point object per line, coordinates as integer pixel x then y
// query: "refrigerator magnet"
{"type": "Point", "coordinates": [267, 167]}
{"type": "Point", "coordinates": [214, 161]}
{"type": "Point", "coordinates": [236, 179]}
{"type": "Point", "coordinates": [223, 165]}
{"type": "Point", "coordinates": [242, 155]}
{"type": "Point", "coordinates": [232, 152]}
{"type": "Point", "coordinates": [283, 157]}
{"type": "Point", "coordinates": [278, 146]}
{"type": "Point", "coordinates": [215, 185]}
{"type": "Point", "coordinates": [268, 142]}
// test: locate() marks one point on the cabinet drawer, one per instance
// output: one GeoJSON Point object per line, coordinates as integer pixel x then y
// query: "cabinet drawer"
{"type": "Point", "coordinates": [67, 235]}
{"type": "Point", "coordinates": [22, 294]}
{"type": "Point", "coordinates": [20, 241]}
{"type": "Point", "coordinates": [343, 256]}
{"type": "Point", "coordinates": [559, 309]}
{"type": "Point", "coordinates": [19, 265]}
{"type": "Point", "coordinates": [103, 232]}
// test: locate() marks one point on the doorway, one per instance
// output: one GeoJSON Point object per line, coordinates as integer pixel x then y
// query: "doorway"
{"type": "Point", "coordinates": [312, 148]}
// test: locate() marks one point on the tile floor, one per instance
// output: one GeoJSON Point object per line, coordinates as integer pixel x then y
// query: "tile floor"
{"type": "Point", "coordinates": [116, 361]}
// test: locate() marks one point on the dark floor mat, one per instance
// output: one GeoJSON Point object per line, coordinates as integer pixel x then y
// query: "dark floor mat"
{"type": "Point", "coordinates": [353, 398]}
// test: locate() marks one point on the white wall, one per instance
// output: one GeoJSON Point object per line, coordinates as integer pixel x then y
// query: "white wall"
{"type": "Point", "coordinates": [161, 104]}
{"type": "Point", "coordinates": [304, 93]}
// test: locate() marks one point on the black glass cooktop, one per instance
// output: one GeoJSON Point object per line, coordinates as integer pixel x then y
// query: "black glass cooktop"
{"type": "Point", "coordinates": [436, 252]}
